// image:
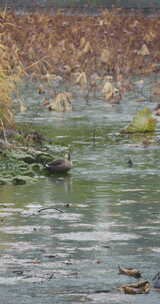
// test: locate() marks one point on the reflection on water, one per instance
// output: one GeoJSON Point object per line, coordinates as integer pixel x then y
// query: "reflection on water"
{"type": "Point", "coordinates": [64, 237]}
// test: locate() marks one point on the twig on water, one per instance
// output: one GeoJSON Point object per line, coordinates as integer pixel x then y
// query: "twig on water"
{"type": "Point", "coordinates": [43, 209]}
{"type": "Point", "coordinates": [94, 136]}
{"type": "Point", "coordinates": [4, 132]}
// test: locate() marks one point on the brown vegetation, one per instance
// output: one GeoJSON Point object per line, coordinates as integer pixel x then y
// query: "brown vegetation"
{"type": "Point", "coordinates": [42, 46]}
{"type": "Point", "coordinates": [111, 43]}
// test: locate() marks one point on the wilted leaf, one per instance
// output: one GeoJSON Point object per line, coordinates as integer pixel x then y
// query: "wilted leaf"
{"type": "Point", "coordinates": [61, 103]}
{"type": "Point", "coordinates": [136, 288]}
{"type": "Point", "coordinates": [109, 91]}
{"type": "Point", "coordinates": [85, 50]}
{"type": "Point", "coordinates": [105, 56]}
{"type": "Point", "coordinates": [149, 36]}
{"type": "Point", "coordinates": [144, 51]}
{"type": "Point", "coordinates": [81, 79]}
{"type": "Point", "coordinates": [156, 91]}
{"type": "Point", "coordinates": [82, 42]}
{"type": "Point", "coordinates": [130, 272]}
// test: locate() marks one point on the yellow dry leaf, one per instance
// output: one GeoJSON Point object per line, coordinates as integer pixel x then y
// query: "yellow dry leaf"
{"type": "Point", "coordinates": [149, 36]}
{"type": "Point", "coordinates": [144, 51]}
{"type": "Point", "coordinates": [51, 77]}
{"type": "Point", "coordinates": [22, 107]}
{"type": "Point", "coordinates": [87, 48]}
{"type": "Point", "coordinates": [61, 103]}
{"type": "Point", "coordinates": [62, 45]}
{"type": "Point", "coordinates": [82, 42]}
{"type": "Point", "coordinates": [3, 47]}
{"type": "Point", "coordinates": [101, 22]}
{"type": "Point", "coordinates": [105, 56]}
{"type": "Point", "coordinates": [108, 78]}
{"type": "Point", "coordinates": [134, 24]}
{"type": "Point", "coordinates": [156, 91]}
{"type": "Point", "coordinates": [108, 90]}
{"type": "Point", "coordinates": [81, 79]}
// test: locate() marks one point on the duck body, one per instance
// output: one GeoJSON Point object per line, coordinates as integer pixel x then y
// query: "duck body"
{"type": "Point", "coordinates": [60, 165]}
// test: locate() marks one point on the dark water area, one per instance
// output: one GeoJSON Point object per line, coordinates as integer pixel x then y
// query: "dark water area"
{"type": "Point", "coordinates": [80, 3]}
{"type": "Point", "coordinates": [62, 238]}
{"type": "Point", "coordinates": [91, 7]}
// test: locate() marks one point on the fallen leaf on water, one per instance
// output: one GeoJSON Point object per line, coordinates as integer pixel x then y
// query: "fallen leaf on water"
{"type": "Point", "coordinates": [130, 272]}
{"type": "Point", "coordinates": [144, 51]}
{"type": "Point", "coordinates": [136, 288]}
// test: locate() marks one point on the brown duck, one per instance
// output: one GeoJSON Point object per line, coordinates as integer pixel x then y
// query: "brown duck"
{"type": "Point", "coordinates": [60, 165]}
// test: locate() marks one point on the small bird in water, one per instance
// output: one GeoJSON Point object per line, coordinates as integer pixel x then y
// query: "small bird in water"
{"type": "Point", "coordinates": [130, 162]}
{"type": "Point", "coordinates": [60, 165]}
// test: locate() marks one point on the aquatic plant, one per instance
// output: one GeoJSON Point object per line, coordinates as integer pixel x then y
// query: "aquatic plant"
{"type": "Point", "coordinates": [61, 103]}
{"type": "Point", "coordinates": [142, 122]}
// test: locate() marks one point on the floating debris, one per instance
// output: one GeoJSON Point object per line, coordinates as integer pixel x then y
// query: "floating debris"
{"type": "Point", "coordinates": [136, 288]}
{"type": "Point", "coordinates": [130, 272]}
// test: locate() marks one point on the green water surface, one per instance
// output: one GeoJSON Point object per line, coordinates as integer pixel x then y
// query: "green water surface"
{"type": "Point", "coordinates": [62, 238]}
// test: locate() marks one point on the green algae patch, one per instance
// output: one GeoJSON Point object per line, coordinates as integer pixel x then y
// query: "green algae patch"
{"type": "Point", "coordinates": [142, 122]}
{"type": "Point", "coordinates": [22, 180]}
{"type": "Point", "coordinates": [23, 165]}
{"type": "Point", "coordinates": [3, 181]}
{"type": "Point", "coordinates": [18, 181]}
{"type": "Point", "coordinates": [15, 169]}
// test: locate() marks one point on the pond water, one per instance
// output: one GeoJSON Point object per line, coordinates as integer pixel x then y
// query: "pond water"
{"type": "Point", "coordinates": [62, 238]}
